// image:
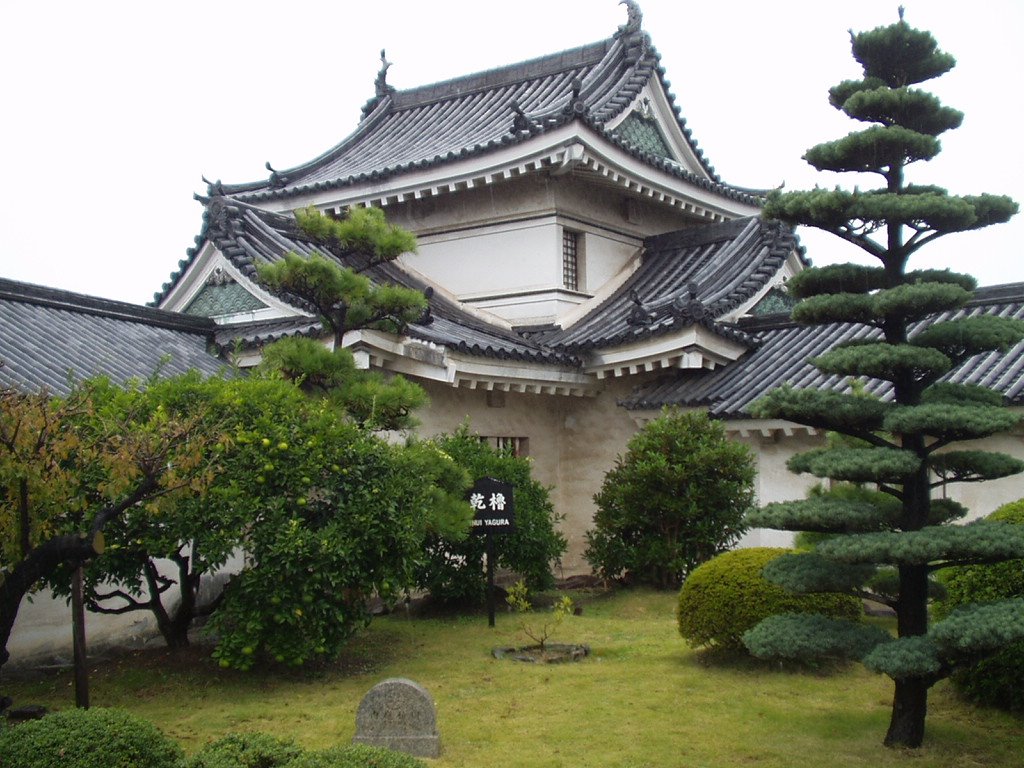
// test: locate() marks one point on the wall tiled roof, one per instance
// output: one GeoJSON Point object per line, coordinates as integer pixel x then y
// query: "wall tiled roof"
{"type": "Point", "coordinates": [247, 236]}
{"type": "Point", "coordinates": [725, 263]}
{"type": "Point", "coordinates": [419, 128]}
{"type": "Point", "coordinates": [48, 336]}
{"type": "Point", "coordinates": [784, 348]}
{"type": "Point", "coordinates": [694, 275]}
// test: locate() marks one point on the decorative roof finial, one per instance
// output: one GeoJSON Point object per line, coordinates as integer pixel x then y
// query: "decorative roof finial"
{"type": "Point", "coordinates": [381, 83]}
{"type": "Point", "coordinates": [577, 106]}
{"type": "Point", "coordinates": [689, 309]}
{"type": "Point", "coordinates": [277, 180]}
{"type": "Point", "coordinates": [213, 187]}
{"type": "Point", "coordinates": [634, 20]}
{"type": "Point", "coordinates": [638, 315]}
{"type": "Point", "coordinates": [520, 122]}
{"type": "Point", "coordinates": [427, 317]}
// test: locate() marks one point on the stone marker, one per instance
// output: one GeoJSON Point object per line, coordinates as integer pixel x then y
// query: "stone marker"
{"type": "Point", "coordinates": [399, 714]}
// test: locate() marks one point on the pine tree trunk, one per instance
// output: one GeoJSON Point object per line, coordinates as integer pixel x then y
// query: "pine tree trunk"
{"type": "Point", "coordinates": [910, 700]}
{"type": "Point", "coordinates": [909, 707]}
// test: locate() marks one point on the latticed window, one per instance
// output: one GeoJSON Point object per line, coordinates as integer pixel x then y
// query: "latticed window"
{"type": "Point", "coordinates": [517, 446]}
{"type": "Point", "coordinates": [570, 260]}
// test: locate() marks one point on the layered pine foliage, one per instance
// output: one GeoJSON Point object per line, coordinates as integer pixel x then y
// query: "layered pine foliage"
{"type": "Point", "coordinates": [887, 543]}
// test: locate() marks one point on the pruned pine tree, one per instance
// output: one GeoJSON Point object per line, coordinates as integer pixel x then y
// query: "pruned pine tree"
{"type": "Point", "coordinates": [347, 300]}
{"type": "Point", "coordinates": [885, 545]}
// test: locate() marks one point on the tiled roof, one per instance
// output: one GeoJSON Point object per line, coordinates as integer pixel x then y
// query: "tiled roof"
{"type": "Point", "coordinates": [785, 347]}
{"type": "Point", "coordinates": [694, 275]}
{"type": "Point", "coordinates": [415, 129]}
{"type": "Point", "coordinates": [247, 236]}
{"type": "Point", "coordinates": [49, 336]}
{"type": "Point", "coordinates": [726, 264]}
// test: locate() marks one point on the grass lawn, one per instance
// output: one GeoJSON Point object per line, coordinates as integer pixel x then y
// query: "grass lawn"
{"type": "Point", "coordinates": [642, 700]}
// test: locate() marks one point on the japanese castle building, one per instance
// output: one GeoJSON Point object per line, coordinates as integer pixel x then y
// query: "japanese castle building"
{"type": "Point", "coordinates": [586, 267]}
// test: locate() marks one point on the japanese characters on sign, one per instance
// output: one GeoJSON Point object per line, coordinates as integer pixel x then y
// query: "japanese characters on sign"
{"type": "Point", "coordinates": [493, 507]}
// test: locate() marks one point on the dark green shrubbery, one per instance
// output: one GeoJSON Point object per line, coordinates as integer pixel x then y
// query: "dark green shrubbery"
{"type": "Point", "coordinates": [451, 570]}
{"type": "Point", "coordinates": [996, 681]}
{"type": "Point", "coordinates": [245, 750]}
{"type": "Point", "coordinates": [88, 738]}
{"type": "Point", "coordinates": [676, 499]}
{"type": "Point", "coordinates": [726, 596]}
{"type": "Point", "coordinates": [356, 756]}
{"type": "Point", "coordinates": [259, 750]}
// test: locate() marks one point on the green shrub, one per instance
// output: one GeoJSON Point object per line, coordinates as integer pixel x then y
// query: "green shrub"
{"type": "Point", "coordinates": [356, 756]}
{"type": "Point", "coordinates": [245, 750]}
{"type": "Point", "coordinates": [996, 681]}
{"type": "Point", "coordinates": [676, 499]}
{"type": "Point", "coordinates": [88, 738]}
{"type": "Point", "coordinates": [451, 570]}
{"type": "Point", "coordinates": [726, 596]}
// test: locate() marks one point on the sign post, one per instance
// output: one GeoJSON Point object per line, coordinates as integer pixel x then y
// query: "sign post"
{"type": "Point", "coordinates": [494, 515]}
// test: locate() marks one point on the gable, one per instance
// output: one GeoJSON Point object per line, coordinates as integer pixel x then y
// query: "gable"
{"type": "Point", "coordinates": [222, 296]}
{"type": "Point", "coordinates": [642, 131]}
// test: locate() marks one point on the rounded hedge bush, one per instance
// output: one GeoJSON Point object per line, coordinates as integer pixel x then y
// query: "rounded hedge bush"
{"type": "Point", "coordinates": [88, 738]}
{"type": "Point", "coordinates": [724, 597]}
{"type": "Point", "coordinates": [356, 756]}
{"type": "Point", "coordinates": [245, 750]}
{"type": "Point", "coordinates": [996, 681]}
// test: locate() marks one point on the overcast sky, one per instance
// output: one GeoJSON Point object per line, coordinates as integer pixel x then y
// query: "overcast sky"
{"type": "Point", "coordinates": [114, 110]}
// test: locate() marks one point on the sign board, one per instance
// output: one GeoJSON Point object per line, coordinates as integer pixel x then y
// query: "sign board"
{"type": "Point", "coordinates": [493, 507]}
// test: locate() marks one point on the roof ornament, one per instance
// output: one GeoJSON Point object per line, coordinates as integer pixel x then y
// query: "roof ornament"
{"type": "Point", "coordinates": [634, 20]}
{"type": "Point", "coordinates": [277, 179]}
{"type": "Point", "coordinates": [380, 85]}
{"type": "Point", "coordinates": [689, 308]}
{"type": "Point", "coordinates": [218, 218]}
{"type": "Point", "coordinates": [638, 315]}
{"type": "Point", "coordinates": [520, 122]}
{"type": "Point", "coordinates": [213, 188]}
{"type": "Point", "coordinates": [576, 106]}
{"type": "Point", "coordinates": [426, 318]}
{"type": "Point", "coordinates": [219, 277]}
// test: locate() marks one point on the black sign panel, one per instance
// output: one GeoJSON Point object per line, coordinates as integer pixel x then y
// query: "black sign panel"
{"type": "Point", "coordinates": [493, 508]}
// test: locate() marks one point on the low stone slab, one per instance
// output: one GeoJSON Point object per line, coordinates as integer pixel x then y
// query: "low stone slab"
{"type": "Point", "coordinates": [399, 714]}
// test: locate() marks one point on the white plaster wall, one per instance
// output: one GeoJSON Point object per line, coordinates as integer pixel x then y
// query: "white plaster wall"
{"type": "Point", "coordinates": [573, 443]}
{"type": "Point", "coordinates": [603, 258]}
{"type": "Point", "coordinates": [493, 260]}
{"type": "Point", "coordinates": [485, 244]}
{"type": "Point", "coordinates": [776, 483]}
{"type": "Point", "coordinates": [596, 432]}
{"type": "Point", "coordinates": [537, 417]}
{"type": "Point", "coordinates": [42, 630]}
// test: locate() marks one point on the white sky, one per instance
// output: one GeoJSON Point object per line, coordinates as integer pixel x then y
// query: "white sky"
{"type": "Point", "coordinates": [112, 110]}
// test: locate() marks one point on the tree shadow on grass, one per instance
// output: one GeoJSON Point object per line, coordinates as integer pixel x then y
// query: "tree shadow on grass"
{"type": "Point", "coordinates": [739, 660]}
{"type": "Point", "coordinates": [149, 672]}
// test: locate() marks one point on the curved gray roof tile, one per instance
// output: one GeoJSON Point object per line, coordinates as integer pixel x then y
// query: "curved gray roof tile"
{"type": "Point", "coordinates": [721, 265]}
{"type": "Point", "coordinates": [471, 115]}
{"type": "Point", "coordinates": [49, 337]}
{"type": "Point", "coordinates": [784, 348]}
